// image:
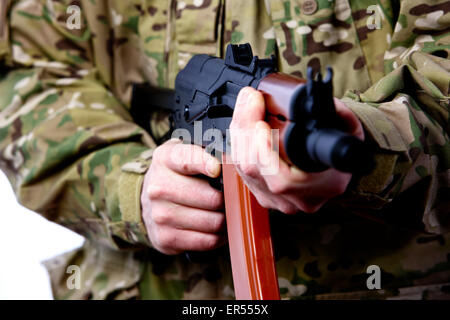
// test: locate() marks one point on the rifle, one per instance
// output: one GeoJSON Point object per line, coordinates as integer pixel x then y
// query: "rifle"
{"type": "Point", "coordinates": [310, 138]}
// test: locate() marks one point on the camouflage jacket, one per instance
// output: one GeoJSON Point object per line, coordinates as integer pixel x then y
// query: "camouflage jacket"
{"type": "Point", "coordinates": [73, 153]}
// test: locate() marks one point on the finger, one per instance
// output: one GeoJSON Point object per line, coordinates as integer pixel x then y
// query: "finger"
{"type": "Point", "coordinates": [268, 157]}
{"type": "Point", "coordinates": [249, 108]}
{"type": "Point", "coordinates": [183, 190]}
{"type": "Point", "coordinates": [276, 173]}
{"type": "Point", "coordinates": [187, 218]}
{"type": "Point", "coordinates": [189, 159]}
{"type": "Point", "coordinates": [174, 241]}
{"type": "Point", "coordinates": [271, 201]}
{"type": "Point", "coordinates": [287, 188]}
{"type": "Point", "coordinates": [307, 204]}
{"type": "Point", "coordinates": [353, 125]}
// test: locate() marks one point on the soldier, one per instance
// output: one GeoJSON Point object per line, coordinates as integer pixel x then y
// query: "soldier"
{"type": "Point", "coordinates": [73, 153]}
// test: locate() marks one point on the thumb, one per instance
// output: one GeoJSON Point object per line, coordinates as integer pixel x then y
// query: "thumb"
{"type": "Point", "coordinates": [351, 121]}
{"type": "Point", "coordinates": [250, 108]}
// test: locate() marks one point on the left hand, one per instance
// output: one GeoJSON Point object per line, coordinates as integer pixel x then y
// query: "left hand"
{"type": "Point", "coordinates": [289, 190]}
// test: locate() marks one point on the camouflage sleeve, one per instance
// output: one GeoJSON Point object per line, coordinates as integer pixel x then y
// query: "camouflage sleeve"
{"type": "Point", "coordinates": [406, 114]}
{"type": "Point", "coordinates": [68, 146]}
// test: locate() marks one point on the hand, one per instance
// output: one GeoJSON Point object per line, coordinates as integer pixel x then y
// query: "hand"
{"type": "Point", "coordinates": [181, 211]}
{"type": "Point", "coordinates": [289, 190]}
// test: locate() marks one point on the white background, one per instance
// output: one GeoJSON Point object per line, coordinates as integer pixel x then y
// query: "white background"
{"type": "Point", "coordinates": [26, 239]}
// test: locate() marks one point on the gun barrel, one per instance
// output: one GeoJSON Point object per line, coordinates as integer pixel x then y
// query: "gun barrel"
{"type": "Point", "coordinates": [310, 137]}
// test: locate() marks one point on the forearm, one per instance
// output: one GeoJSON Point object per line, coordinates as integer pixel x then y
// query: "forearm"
{"type": "Point", "coordinates": [69, 147]}
{"type": "Point", "coordinates": [408, 123]}
{"type": "Point", "coordinates": [74, 155]}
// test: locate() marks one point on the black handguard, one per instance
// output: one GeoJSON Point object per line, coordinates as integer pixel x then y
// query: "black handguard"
{"type": "Point", "coordinates": [205, 95]}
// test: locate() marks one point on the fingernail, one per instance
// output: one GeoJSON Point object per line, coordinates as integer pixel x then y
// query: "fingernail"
{"type": "Point", "coordinates": [243, 95]}
{"type": "Point", "coordinates": [251, 99]}
{"type": "Point", "coordinates": [213, 168]}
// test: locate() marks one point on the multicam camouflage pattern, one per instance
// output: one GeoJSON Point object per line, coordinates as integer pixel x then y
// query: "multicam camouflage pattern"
{"type": "Point", "coordinates": [73, 153]}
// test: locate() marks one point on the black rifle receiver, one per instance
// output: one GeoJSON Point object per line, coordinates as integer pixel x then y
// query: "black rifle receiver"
{"type": "Point", "coordinates": [207, 88]}
{"type": "Point", "coordinates": [206, 91]}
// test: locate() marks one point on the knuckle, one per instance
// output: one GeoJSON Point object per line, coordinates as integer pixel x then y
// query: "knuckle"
{"type": "Point", "coordinates": [310, 208]}
{"type": "Point", "coordinates": [163, 239]}
{"type": "Point", "coordinates": [155, 236]}
{"type": "Point", "coordinates": [161, 218]}
{"type": "Point", "coordinates": [218, 223]}
{"type": "Point", "coordinates": [210, 242]}
{"type": "Point", "coordinates": [167, 240]}
{"type": "Point", "coordinates": [249, 170]}
{"type": "Point", "coordinates": [288, 208]}
{"type": "Point", "coordinates": [216, 199]}
{"type": "Point", "coordinates": [184, 165]}
{"type": "Point", "coordinates": [156, 192]}
{"type": "Point", "coordinates": [264, 202]}
{"type": "Point", "coordinates": [277, 187]}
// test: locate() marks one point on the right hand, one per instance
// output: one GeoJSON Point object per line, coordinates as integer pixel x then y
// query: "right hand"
{"type": "Point", "coordinates": [181, 211]}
